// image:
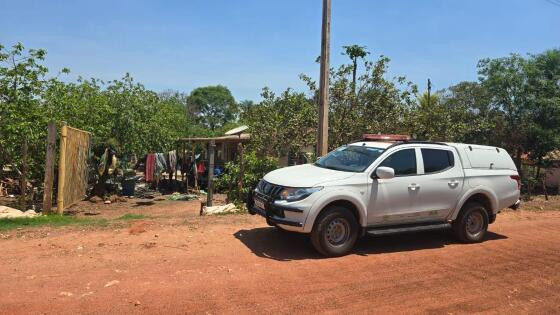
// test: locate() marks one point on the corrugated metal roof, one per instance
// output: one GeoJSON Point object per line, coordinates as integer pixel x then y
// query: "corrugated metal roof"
{"type": "Point", "coordinates": [234, 138]}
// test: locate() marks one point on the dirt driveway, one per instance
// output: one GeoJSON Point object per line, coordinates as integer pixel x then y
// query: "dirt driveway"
{"type": "Point", "coordinates": [178, 262]}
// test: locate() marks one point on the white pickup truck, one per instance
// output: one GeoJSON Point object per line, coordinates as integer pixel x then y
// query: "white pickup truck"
{"type": "Point", "coordinates": [389, 184]}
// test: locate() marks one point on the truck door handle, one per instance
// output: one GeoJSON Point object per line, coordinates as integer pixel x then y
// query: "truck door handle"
{"type": "Point", "coordinates": [453, 183]}
{"type": "Point", "coordinates": [413, 186]}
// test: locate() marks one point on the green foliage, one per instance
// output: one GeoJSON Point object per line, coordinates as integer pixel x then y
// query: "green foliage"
{"type": "Point", "coordinates": [254, 169]}
{"type": "Point", "coordinates": [130, 216]}
{"type": "Point", "coordinates": [515, 105]}
{"type": "Point", "coordinates": [526, 102]}
{"type": "Point", "coordinates": [354, 52]}
{"type": "Point", "coordinates": [377, 105]}
{"type": "Point", "coordinates": [22, 79]}
{"type": "Point", "coordinates": [49, 220]}
{"type": "Point", "coordinates": [451, 115]}
{"type": "Point", "coordinates": [213, 105]}
{"type": "Point", "coordinates": [281, 125]}
{"type": "Point", "coordinates": [121, 112]}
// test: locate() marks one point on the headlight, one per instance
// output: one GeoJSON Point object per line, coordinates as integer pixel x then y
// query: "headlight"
{"type": "Point", "coordinates": [295, 194]}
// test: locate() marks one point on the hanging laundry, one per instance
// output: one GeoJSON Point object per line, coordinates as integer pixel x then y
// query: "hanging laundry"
{"type": "Point", "coordinates": [113, 165]}
{"type": "Point", "coordinates": [161, 164]}
{"type": "Point", "coordinates": [173, 160]}
{"type": "Point", "coordinates": [150, 167]}
{"type": "Point", "coordinates": [200, 168]}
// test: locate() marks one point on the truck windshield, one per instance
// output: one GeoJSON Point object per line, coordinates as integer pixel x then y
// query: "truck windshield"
{"type": "Point", "coordinates": [351, 158]}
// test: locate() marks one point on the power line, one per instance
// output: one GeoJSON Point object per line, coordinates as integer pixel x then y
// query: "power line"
{"type": "Point", "coordinates": [554, 2]}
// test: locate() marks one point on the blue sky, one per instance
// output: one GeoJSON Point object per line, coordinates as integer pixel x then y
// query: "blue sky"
{"type": "Point", "coordinates": [249, 44]}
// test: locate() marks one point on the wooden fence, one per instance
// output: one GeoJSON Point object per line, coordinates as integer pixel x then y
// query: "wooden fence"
{"type": "Point", "coordinates": [72, 167]}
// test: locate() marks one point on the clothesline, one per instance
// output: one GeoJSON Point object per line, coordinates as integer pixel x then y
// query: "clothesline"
{"type": "Point", "coordinates": [157, 163]}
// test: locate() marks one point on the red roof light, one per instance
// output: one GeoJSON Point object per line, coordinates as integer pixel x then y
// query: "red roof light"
{"type": "Point", "coordinates": [380, 137]}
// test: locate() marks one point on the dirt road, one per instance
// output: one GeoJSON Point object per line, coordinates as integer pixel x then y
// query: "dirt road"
{"type": "Point", "coordinates": [236, 264]}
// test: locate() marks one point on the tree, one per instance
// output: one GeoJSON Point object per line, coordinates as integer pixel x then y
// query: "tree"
{"type": "Point", "coordinates": [213, 106]}
{"type": "Point", "coordinates": [354, 52]}
{"type": "Point", "coordinates": [281, 125]}
{"type": "Point", "coordinates": [543, 73]}
{"type": "Point", "coordinates": [459, 113]}
{"type": "Point", "coordinates": [378, 105]}
{"type": "Point", "coordinates": [22, 80]}
{"type": "Point", "coordinates": [526, 96]}
{"type": "Point", "coordinates": [470, 103]}
{"type": "Point", "coordinates": [505, 79]}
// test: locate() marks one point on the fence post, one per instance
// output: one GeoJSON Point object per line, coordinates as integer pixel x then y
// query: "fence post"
{"type": "Point", "coordinates": [61, 170]}
{"type": "Point", "coordinates": [211, 147]}
{"type": "Point", "coordinates": [49, 168]}
{"type": "Point", "coordinates": [241, 167]}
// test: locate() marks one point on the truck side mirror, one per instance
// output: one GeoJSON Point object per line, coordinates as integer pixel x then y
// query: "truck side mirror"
{"type": "Point", "coordinates": [385, 172]}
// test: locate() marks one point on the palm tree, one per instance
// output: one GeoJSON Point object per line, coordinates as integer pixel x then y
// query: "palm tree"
{"type": "Point", "coordinates": [355, 52]}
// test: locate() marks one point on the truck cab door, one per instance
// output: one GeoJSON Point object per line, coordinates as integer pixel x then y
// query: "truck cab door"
{"type": "Point", "coordinates": [440, 182]}
{"type": "Point", "coordinates": [392, 201]}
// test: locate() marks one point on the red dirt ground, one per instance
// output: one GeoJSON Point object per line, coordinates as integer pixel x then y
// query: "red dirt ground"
{"type": "Point", "coordinates": [184, 263]}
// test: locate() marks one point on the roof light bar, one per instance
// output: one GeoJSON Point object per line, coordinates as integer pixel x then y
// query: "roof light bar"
{"type": "Point", "coordinates": [381, 137]}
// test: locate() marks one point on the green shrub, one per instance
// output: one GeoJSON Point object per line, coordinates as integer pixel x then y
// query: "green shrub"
{"type": "Point", "coordinates": [255, 168]}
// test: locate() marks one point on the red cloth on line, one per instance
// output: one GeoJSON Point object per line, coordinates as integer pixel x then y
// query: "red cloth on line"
{"type": "Point", "coordinates": [150, 167]}
{"type": "Point", "coordinates": [200, 168]}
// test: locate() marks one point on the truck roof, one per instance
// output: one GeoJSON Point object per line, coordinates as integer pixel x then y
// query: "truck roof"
{"type": "Point", "coordinates": [471, 155]}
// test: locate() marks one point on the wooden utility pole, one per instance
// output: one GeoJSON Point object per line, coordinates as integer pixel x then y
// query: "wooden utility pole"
{"type": "Point", "coordinates": [49, 168]}
{"type": "Point", "coordinates": [211, 149]}
{"type": "Point", "coordinates": [323, 135]}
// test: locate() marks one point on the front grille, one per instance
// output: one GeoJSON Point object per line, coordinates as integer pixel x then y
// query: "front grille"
{"type": "Point", "coordinates": [270, 190]}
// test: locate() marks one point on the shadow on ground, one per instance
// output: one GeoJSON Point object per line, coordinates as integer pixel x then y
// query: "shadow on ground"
{"type": "Point", "coordinates": [280, 245]}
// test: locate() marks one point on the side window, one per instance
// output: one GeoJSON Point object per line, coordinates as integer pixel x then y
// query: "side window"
{"type": "Point", "coordinates": [403, 162]}
{"type": "Point", "coordinates": [437, 160]}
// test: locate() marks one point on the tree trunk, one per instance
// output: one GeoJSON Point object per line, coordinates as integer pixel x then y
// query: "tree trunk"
{"type": "Point", "coordinates": [354, 70]}
{"type": "Point", "coordinates": [23, 177]}
{"type": "Point", "coordinates": [544, 188]}
{"type": "Point", "coordinates": [518, 162]}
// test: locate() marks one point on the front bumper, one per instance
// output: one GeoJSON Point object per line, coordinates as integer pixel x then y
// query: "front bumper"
{"type": "Point", "coordinates": [276, 214]}
{"type": "Point", "coordinates": [273, 218]}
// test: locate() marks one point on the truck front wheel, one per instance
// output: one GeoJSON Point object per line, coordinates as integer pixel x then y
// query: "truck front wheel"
{"type": "Point", "coordinates": [335, 232]}
{"type": "Point", "coordinates": [472, 223]}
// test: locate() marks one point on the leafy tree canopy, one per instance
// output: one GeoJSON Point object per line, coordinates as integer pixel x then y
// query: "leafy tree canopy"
{"type": "Point", "coordinates": [213, 106]}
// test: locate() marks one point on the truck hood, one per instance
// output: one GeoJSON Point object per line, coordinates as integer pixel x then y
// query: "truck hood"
{"type": "Point", "coordinates": [307, 175]}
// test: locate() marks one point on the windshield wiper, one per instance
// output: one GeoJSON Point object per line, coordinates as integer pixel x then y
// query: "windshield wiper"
{"type": "Point", "coordinates": [333, 168]}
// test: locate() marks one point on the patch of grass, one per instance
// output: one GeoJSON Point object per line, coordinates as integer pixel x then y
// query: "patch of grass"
{"type": "Point", "coordinates": [130, 216]}
{"type": "Point", "coordinates": [49, 220]}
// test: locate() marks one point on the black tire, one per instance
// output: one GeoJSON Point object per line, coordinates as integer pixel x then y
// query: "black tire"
{"type": "Point", "coordinates": [335, 232]}
{"type": "Point", "coordinates": [471, 223]}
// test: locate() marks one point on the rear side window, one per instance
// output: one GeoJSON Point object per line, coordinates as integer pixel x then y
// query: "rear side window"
{"type": "Point", "coordinates": [403, 162]}
{"type": "Point", "coordinates": [437, 160]}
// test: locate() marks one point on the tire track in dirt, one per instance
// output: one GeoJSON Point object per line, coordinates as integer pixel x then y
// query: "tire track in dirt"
{"type": "Point", "coordinates": [244, 267]}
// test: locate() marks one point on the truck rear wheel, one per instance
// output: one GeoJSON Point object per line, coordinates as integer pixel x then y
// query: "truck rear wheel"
{"type": "Point", "coordinates": [335, 232]}
{"type": "Point", "coordinates": [472, 223]}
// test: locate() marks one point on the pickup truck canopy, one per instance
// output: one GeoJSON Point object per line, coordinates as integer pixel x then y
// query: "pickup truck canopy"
{"type": "Point", "coordinates": [483, 157]}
